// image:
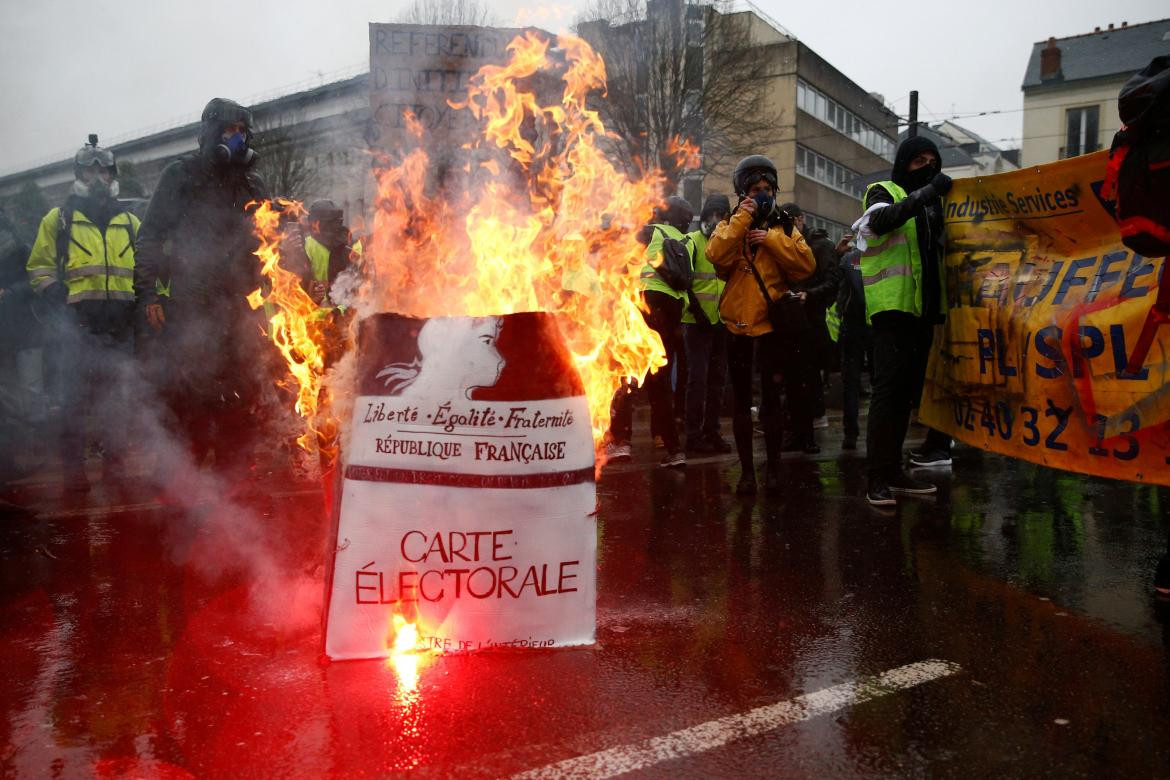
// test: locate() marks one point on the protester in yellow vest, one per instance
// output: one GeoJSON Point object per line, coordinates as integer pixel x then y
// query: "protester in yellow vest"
{"type": "Point", "coordinates": [330, 250]}
{"type": "Point", "coordinates": [902, 246]}
{"type": "Point", "coordinates": [665, 308]}
{"type": "Point", "coordinates": [705, 340]}
{"type": "Point", "coordinates": [82, 266]}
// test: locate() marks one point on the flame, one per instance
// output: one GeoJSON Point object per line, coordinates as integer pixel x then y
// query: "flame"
{"type": "Point", "coordinates": [686, 152]}
{"type": "Point", "coordinates": [527, 215]}
{"type": "Point", "coordinates": [404, 658]}
{"type": "Point", "coordinates": [294, 327]}
{"type": "Point", "coordinates": [540, 220]}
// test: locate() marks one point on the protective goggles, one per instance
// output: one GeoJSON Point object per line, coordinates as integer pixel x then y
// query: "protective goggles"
{"type": "Point", "coordinates": [94, 155]}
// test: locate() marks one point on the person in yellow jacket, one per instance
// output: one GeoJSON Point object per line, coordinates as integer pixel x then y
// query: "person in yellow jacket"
{"type": "Point", "coordinates": [665, 309]}
{"type": "Point", "coordinates": [705, 339]}
{"type": "Point", "coordinates": [329, 248]}
{"type": "Point", "coordinates": [82, 266]}
{"type": "Point", "coordinates": [756, 248]}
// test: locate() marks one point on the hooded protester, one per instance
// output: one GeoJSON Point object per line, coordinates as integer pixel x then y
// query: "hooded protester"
{"type": "Point", "coordinates": [664, 314]}
{"type": "Point", "coordinates": [802, 371]}
{"type": "Point", "coordinates": [902, 244]}
{"type": "Point", "coordinates": [197, 236]}
{"type": "Point", "coordinates": [761, 254]}
{"type": "Point", "coordinates": [82, 266]}
{"type": "Point", "coordinates": [705, 339]}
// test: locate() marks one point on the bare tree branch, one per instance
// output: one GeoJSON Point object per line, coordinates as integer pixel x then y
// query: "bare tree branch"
{"type": "Point", "coordinates": [447, 12]}
{"type": "Point", "coordinates": [691, 71]}
{"type": "Point", "coordinates": [286, 158]}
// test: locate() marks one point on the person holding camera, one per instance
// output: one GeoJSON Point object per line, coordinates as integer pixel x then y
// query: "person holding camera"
{"type": "Point", "coordinates": [762, 255]}
{"type": "Point", "coordinates": [902, 244]}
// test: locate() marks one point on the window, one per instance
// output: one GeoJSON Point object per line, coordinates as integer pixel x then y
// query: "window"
{"type": "Point", "coordinates": [831, 174]}
{"type": "Point", "coordinates": [1082, 131]}
{"type": "Point", "coordinates": [812, 101]}
{"type": "Point", "coordinates": [835, 229]}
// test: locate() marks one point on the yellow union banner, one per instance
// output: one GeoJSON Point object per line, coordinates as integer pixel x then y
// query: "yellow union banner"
{"type": "Point", "coordinates": [1046, 309]}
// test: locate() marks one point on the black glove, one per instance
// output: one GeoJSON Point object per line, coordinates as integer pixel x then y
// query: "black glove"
{"type": "Point", "coordinates": [56, 292]}
{"type": "Point", "coordinates": [941, 183]}
{"type": "Point", "coordinates": [785, 221]}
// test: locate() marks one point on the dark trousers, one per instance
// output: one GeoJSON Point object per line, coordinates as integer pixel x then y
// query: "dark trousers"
{"type": "Point", "coordinates": [802, 383]}
{"type": "Point", "coordinates": [742, 353]}
{"type": "Point", "coordinates": [705, 347]}
{"type": "Point", "coordinates": [855, 341]}
{"type": "Point", "coordinates": [901, 347]}
{"type": "Point", "coordinates": [664, 317]}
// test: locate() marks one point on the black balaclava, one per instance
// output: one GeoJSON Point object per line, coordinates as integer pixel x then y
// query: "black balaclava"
{"type": "Point", "coordinates": [907, 151]}
{"type": "Point", "coordinates": [327, 223]}
{"type": "Point", "coordinates": [715, 209]}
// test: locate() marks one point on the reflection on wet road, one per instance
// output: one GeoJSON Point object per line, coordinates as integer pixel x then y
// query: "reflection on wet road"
{"type": "Point", "coordinates": [143, 638]}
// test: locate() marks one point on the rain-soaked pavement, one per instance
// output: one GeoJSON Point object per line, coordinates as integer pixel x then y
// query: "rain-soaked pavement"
{"type": "Point", "coordinates": [1004, 628]}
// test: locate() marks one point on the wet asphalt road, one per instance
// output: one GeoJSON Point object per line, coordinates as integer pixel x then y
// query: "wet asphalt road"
{"type": "Point", "coordinates": [142, 639]}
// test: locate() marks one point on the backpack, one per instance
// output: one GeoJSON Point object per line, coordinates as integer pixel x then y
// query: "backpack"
{"type": "Point", "coordinates": [1137, 178]}
{"type": "Point", "coordinates": [675, 269]}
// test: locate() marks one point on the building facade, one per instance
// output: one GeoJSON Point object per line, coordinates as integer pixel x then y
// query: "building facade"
{"type": "Point", "coordinates": [1071, 85]}
{"type": "Point", "coordinates": [832, 132]}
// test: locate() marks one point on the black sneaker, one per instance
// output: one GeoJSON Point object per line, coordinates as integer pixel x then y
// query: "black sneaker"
{"type": "Point", "coordinates": [925, 459]}
{"type": "Point", "coordinates": [747, 485]}
{"type": "Point", "coordinates": [674, 460]}
{"type": "Point", "coordinates": [910, 486]}
{"type": "Point", "coordinates": [879, 494]}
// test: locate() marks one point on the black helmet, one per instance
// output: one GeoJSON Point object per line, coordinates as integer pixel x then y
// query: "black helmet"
{"type": "Point", "coordinates": [92, 154]}
{"type": "Point", "coordinates": [752, 169]}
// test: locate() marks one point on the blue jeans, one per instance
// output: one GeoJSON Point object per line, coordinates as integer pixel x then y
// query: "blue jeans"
{"type": "Point", "coordinates": [706, 351]}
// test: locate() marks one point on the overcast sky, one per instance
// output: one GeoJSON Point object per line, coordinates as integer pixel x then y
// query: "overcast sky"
{"type": "Point", "coordinates": [123, 68]}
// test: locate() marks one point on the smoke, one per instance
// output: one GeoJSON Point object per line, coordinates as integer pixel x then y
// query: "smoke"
{"type": "Point", "coordinates": [220, 522]}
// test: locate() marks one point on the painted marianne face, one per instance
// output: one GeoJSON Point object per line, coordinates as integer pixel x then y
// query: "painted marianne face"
{"type": "Point", "coordinates": [456, 356]}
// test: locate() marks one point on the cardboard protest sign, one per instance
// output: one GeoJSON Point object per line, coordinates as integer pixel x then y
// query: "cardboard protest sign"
{"type": "Point", "coordinates": [419, 70]}
{"type": "Point", "coordinates": [468, 490]}
{"type": "Point", "coordinates": [1046, 306]}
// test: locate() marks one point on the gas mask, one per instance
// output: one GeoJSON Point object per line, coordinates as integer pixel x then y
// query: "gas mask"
{"type": "Point", "coordinates": [708, 227]}
{"type": "Point", "coordinates": [235, 149]}
{"type": "Point", "coordinates": [765, 205]}
{"type": "Point", "coordinates": [98, 189]}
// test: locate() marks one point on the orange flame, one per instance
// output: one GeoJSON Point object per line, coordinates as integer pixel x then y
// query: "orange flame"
{"type": "Point", "coordinates": [530, 215]}
{"type": "Point", "coordinates": [294, 326]}
{"type": "Point", "coordinates": [686, 152]}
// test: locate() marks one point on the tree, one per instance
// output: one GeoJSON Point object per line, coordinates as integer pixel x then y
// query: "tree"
{"type": "Point", "coordinates": [129, 184]}
{"type": "Point", "coordinates": [26, 209]}
{"type": "Point", "coordinates": [681, 69]}
{"type": "Point", "coordinates": [447, 13]}
{"type": "Point", "coordinates": [286, 158]}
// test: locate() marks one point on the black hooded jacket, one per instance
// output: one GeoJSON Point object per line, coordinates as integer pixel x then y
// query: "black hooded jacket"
{"type": "Point", "coordinates": [197, 238]}
{"type": "Point", "coordinates": [922, 203]}
{"type": "Point", "coordinates": [821, 287]}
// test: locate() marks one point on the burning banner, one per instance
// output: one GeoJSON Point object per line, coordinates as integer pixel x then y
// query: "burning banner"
{"type": "Point", "coordinates": [1051, 352]}
{"type": "Point", "coordinates": [495, 311]}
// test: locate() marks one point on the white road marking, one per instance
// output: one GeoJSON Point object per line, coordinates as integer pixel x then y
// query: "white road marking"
{"type": "Point", "coordinates": [716, 733]}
